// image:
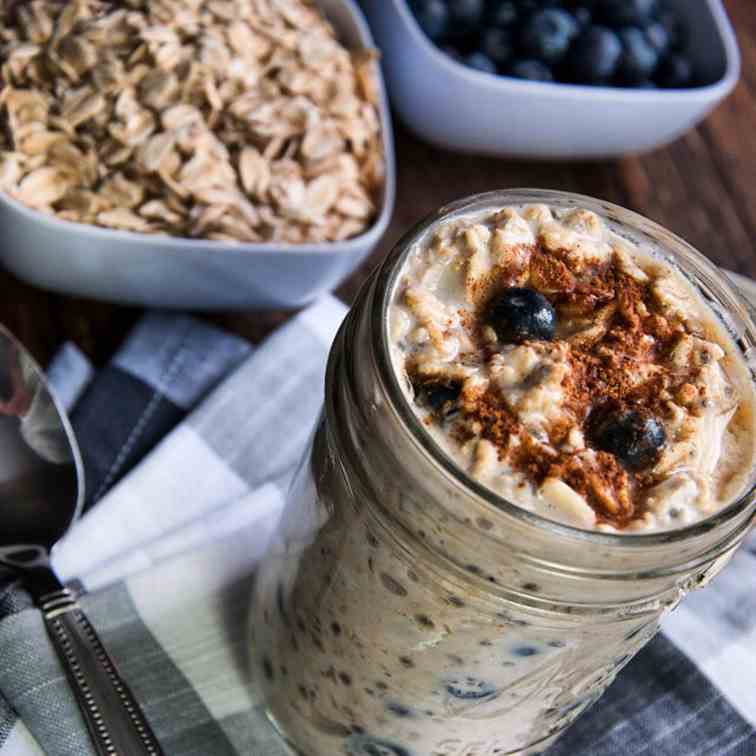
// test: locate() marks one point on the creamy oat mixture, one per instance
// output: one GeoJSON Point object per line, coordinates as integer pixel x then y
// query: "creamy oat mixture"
{"type": "Point", "coordinates": [573, 371]}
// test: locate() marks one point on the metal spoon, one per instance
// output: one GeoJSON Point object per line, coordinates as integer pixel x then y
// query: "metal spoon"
{"type": "Point", "coordinates": [41, 495]}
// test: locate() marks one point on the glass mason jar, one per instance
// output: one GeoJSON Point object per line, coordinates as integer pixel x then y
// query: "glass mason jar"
{"type": "Point", "coordinates": [406, 610]}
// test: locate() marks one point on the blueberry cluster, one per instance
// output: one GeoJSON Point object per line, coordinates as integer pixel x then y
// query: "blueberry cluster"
{"type": "Point", "coordinates": [624, 43]}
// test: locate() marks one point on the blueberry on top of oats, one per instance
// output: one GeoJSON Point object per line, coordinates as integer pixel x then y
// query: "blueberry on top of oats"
{"type": "Point", "coordinates": [439, 397]}
{"type": "Point", "coordinates": [635, 439]}
{"type": "Point", "coordinates": [519, 314]}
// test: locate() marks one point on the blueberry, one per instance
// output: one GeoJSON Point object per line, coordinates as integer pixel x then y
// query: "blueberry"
{"type": "Point", "coordinates": [399, 710]}
{"type": "Point", "coordinates": [497, 44]}
{"type": "Point", "coordinates": [465, 16]}
{"type": "Point", "coordinates": [466, 44]}
{"type": "Point", "coordinates": [364, 745]}
{"type": "Point", "coordinates": [658, 37]}
{"type": "Point", "coordinates": [439, 397]}
{"type": "Point", "coordinates": [525, 651]}
{"type": "Point", "coordinates": [594, 56]}
{"type": "Point", "coordinates": [626, 12]}
{"type": "Point", "coordinates": [676, 32]}
{"type": "Point", "coordinates": [639, 59]}
{"type": "Point", "coordinates": [432, 16]}
{"type": "Point", "coordinates": [533, 70]}
{"type": "Point", "coordinates": [470, 689]}
{"type": "Point", "coordinates": [526, 7]}
{"type": "Point", "coordinates": [480, 62]}
{"type": "Point", "coordinates": [582, 17]}
{"type": "Point", "coordinates": [634, 438]}
{"type": "Point", "coordinates": [674, 72]}
{"type": "Point", "coordinates": [501, 14]}
{"type": "Point", "coordinates": [547, 35]}
{"type": "Point", "coordinates": [522, 314]}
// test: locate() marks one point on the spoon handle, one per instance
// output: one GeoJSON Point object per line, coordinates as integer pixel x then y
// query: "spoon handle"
{"type": "Point", "coordinates": [112, 714]}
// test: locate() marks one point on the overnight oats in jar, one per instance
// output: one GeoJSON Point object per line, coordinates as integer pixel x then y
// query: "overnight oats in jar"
{"type": "Point", "coordinates": [538, 435]}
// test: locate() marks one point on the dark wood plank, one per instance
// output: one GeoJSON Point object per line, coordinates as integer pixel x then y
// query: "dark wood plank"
{"type": "Point", "coordinates": [26, 313]}
{"type": "Point", "coordinates": [701, 187]}
{"type": "Point", "coordinates": [728, 131]}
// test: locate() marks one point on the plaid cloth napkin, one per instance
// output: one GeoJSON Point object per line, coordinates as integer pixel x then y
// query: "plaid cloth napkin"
{"type": "Point", "coordinates": [167, 552]}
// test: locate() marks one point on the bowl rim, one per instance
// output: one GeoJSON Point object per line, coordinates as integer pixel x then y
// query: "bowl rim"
{"type": "Point", "coordinates": [714, 91]}
{"type": "Point", "coordinates": [182, 245]}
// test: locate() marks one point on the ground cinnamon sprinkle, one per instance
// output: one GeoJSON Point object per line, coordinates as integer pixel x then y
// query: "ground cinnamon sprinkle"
{"type": "Point", "coordinates": [484, 287]}
{"type": "Point", "coordinates": [550, 275]}
{"type": "Point", "coordinates": [497, 423]}
{"type": "Point", "coordinates": [595, 289]}
{"type": "Point", "coordinates": [533, 459]}
{"type": "Point", "coordinates": [620, 346]}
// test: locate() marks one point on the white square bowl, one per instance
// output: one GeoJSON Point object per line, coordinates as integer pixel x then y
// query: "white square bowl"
{"type": "Point", "coordinates": [459, 108]}
{"type": "Point", "coordinates": [153, 271]}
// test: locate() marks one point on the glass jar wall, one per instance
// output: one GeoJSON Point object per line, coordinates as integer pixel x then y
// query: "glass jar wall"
{"type": "Point", "coordinates": [405, 610]}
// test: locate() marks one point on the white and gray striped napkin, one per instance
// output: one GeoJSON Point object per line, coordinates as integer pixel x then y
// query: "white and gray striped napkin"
{"type": "Point", "coordinates": [201, 434]}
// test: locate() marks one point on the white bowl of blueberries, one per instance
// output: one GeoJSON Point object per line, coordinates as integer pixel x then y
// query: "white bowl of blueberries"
{"type": "Point", "coordinates": [554, 78]}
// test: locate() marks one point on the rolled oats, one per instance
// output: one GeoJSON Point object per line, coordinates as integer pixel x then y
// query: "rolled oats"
{"type": "Point", "coordinates": [242, 120]}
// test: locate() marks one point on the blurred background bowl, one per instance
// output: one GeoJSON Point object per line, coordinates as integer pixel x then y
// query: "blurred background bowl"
{"type": "Point", "coordinates": [459, 108]}
{"type": "Point", "coordinates": [152, 271]}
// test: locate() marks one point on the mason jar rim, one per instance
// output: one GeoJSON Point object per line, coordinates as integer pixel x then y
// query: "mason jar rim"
{"type": "Point", "coordinates": [671, 247]}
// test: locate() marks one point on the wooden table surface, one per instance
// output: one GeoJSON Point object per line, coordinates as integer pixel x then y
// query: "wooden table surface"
{"type": "Point", "coordinates": [703, 187]}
